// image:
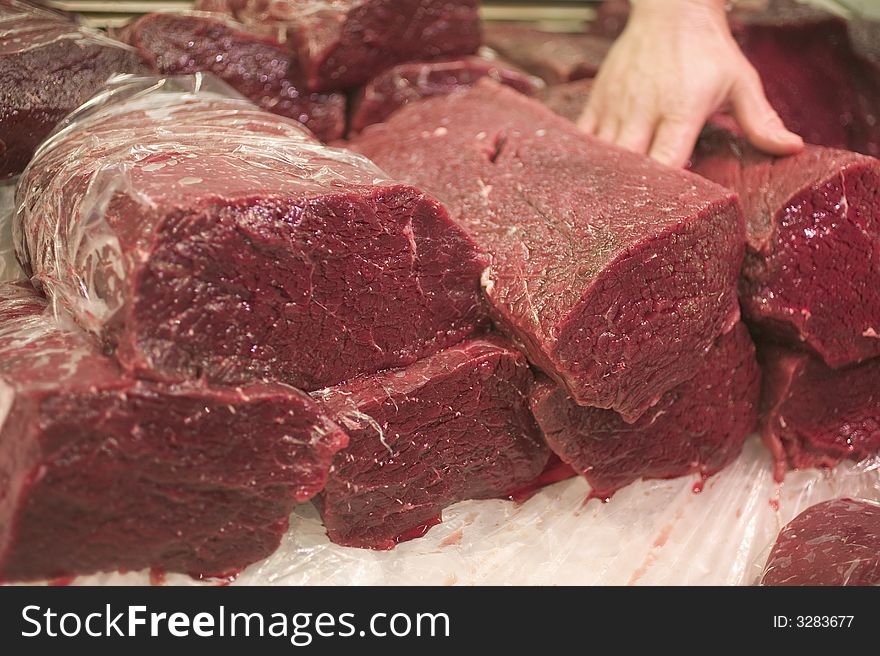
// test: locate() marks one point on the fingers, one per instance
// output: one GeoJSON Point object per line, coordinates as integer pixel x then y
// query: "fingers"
{"type": "Point", "coordinates": [635, 134]}
{"type": "Point", "coordinates": [674, 140]}
{"type": "Point", "coordinates": [758, 120]}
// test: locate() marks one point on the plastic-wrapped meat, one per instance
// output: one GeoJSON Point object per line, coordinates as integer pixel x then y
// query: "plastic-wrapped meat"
{"type": "Point", "coordinates": [698, 427]}
{"type": "Point", "coordinates": [451, 427]}
{"type": "Point", "coordinates": [256, 66]}
{"type": "Point", "coordinates": [568, 100]}
{"type": "Point", "coordinates": [102, 472]}
{"type": "Point", "coordinates": [832, 543]}
{"type": "Point", "coordinates": [343, 43]}
{"type": "Point", "coordinates": [814, 416]}
{"type": "Point", "coordinates": [813, 261]}
{"type": "Point", "coordinates": [405, 83]}
{"type": "Point", "coordinates": [614, 274]}
{"type": "Point", "coordinates": [9, 267]}
{"type": "Point", "coordinates": [49, 65]}
{"type": "Point", "coordinates": [555, 57]}
{"type": "Point", "coordinates": [199, 236]}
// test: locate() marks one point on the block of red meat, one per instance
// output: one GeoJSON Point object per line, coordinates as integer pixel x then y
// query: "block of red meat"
{"type": "Point", "coordinates": [804, 59]}
{"type": "Point", "coordinates": [344, 43]}
{"type": "Point", "coordinates": [812, 266]}
{"type": "Point", "coordinates": [556, 57]}
{"type": "Point", "coordinates": [199, 236]}
{"type": "Point", "coordinates": [611, 17]}
{"type": "Point", "coordinates": [815, 416]}
{"type": "Point", "coordinates": [568, 100]}
{"type": "Point", "coordinates": [405, 83]}
{"type": "Point", "coordinates": [256, 66]}
{"type": "Point", "coordinates": [451, 427]}
{"type": "Point", "coordinates": [832, 543]}
{"type": "Point", "coordinates": [614, 274]}
{"type": "Point", "coordinates": [102, 472]}
{"type": "Point", "coordinates": [49, 65]}
{"type": "Point", "coordinates": [865, 39]}
{"type": "Point", "coordinates": [698, 427]}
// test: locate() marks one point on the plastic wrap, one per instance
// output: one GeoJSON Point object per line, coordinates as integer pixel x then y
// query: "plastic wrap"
{"type": "Point", "coordinates": [10, 269]}
{"type": "Point", "coordinates": [343, 43]}
{"type": "Point", "coordinates": [48, 66]}
{"type": "Point", "coordinates": [650, 533]}
{"type": "Point", "coordinates": [142, 215]}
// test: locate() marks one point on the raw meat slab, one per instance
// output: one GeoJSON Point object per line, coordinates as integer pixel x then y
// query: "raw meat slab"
{"type": "Point", "coordinates": [555, 57]}
{"type": "Point", "coordinates": [102, 472]}
{"type": "Point", "coordinates": [258, 67]}
{"type": "Point", "coordinates": [812, 270]}
{"type": "Point", "coordinates": [614, 274]}
{"type": "Point", "coordinates": [405, 83]}
{"type": "Point", "coordinates": [49, 65]}
{"type": "Point", "coordinates": [451, 427]}
{"type": "Point", "coordinates": [199, 236]}
{"type": "Point", "coordinates": [832, 543]}
{"type": "Point", "coordinates": [698, 427]}
{"type": "Point", "coordinates": [343, 43]}
{"type": "Point", "coordinates": [814, 416]}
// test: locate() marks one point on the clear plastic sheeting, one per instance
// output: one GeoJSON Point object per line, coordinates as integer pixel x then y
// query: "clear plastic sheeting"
{"type": "Point", "coordinates": [650, 533]}
{"type": "Point", "coordinates": [9, 267]}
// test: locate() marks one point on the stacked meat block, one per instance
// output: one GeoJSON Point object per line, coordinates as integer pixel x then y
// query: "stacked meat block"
{"type": "Point", "coordinates": [810, 287]}
{"type": "Point", "coordinates": [555, 57]}
{"type": "Point", "coordinates": [234, 247]}
{"type": "Point", "coordinates": [343, 43]}
{"type": "Point", "coordinates": [697, 427]}
{"type": "Point", "coordinates": [49, 65]}
{"type": "Point", "coordinates": [257, 66]}
{"type": "Point", "coordinates": [197, 236]}
{"type": "Point", "coordinates": [101, 471]}
{"type": "Point", "coordinates": [832, 543]}
{"type": "Point", "coordinates": [618, 297]}
{"type": "Point", "coordinates": [865, 38]}
{"type": "Point", "coordinates": [405, 83]}
{"type": "Point", "coordinates": [453, 426]}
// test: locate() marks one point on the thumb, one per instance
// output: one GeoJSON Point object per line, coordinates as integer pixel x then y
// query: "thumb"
{"type": "Point", "coordinates": [758, 120]}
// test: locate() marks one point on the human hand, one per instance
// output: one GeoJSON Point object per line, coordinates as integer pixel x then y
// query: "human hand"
{"type": "Point", "coordinates": [675, 65]}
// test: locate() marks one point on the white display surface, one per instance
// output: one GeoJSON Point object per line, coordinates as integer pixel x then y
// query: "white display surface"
{"type": "Point", "coordinates": [650, 533]}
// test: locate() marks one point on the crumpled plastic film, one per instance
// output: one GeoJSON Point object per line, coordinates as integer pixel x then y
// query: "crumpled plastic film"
{"type": "Point", "coordinates": [9, 266]}
{"type": "Point", "coordinates": [60, 229]}
{"type": "Point", "coordinates": [650, 533]}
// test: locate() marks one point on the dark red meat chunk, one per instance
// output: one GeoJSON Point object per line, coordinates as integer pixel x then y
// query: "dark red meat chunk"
{"type": "Point", "coordinates": [805, 62]}
{"type": "Point", "coordinates": [405, 83]}
{"type": "Point", "coordinates": [555, 57]}
{"type": "Point", "coordinates": [698, 427]}
{"type": "Point", "coordinates": [568, 100]}
{"type": "Point", "coordinates": [344, 43]}
{"type": "Point", "coordinates": [49, 66]}
{"type": "Point", "coordinates": [614, 274]}
{"type": "Point", "coordinates": [813, 259]}
{"type": "Point", "coordinates": [102, 472]}
{"type": "Point", "coordinates": [201, 237]}
{"type": "Point", "coordinates": [814, 416]}
{"type": "Point", "coordinates": [451, 427]}
{"type": "Point", "coordinates": [832, 543]}
{"type": "Point", "coordinates": [258, 67]}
